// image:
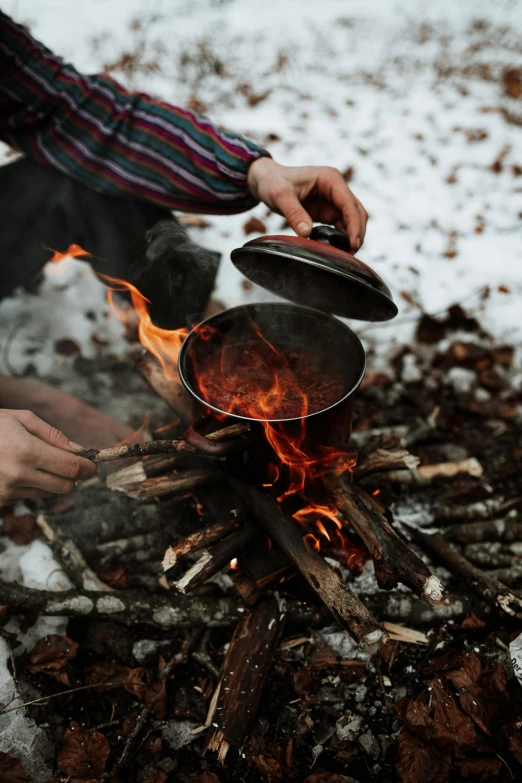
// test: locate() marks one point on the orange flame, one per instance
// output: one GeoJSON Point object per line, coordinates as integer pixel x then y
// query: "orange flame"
{"type": "Point", "coordinates": [74, 251]}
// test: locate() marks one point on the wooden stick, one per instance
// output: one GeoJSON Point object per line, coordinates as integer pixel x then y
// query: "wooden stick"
{"type": "Point", "coordinates": [485, 585]}
{"type": "Point", "coordinates": [243, 675]}
{"type": "Point", "coordinates": [394, 560]}
{"type": "Point", "coordinates": [344, 605]}
{"type": "Point", "coordinates": [383, 460]}
{"type": "Point", "coordinates": [198, 540]}
{"type": "Point", "coordinates": [495, 530]}
{"type": "Point", "coordinates": [155, 447]}
{"type": "Point", "coordinates": [68, 554]}
{"type": "Point", "coordinates": [426, 474]}
{"type": "Point", "coordinates": [217, 557]}
{"type": "Point", "coordinates": [144, 469]}
{"type": "Point", "coordinates": [171, 392]}
{"type": "Point", "coordinates": [488, 554]}
{"type": "Point", "coordinates": [483, 509]}
{"type": "Point", "coordinates": [172, 483]}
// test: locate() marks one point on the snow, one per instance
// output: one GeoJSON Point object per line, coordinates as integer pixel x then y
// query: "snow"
{"type": "Point", "coordinates": [408, 93]}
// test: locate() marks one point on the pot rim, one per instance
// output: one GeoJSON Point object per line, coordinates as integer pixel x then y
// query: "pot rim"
{"type": "Point", "coordinates": [183, 358]}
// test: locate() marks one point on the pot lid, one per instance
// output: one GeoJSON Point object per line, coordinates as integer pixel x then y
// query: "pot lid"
{"type": "Point", "coordinates": [319, 272]}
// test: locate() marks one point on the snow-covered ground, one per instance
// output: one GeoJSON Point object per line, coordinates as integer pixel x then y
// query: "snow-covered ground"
{"type": "Point", "coordinates": [408, 94]}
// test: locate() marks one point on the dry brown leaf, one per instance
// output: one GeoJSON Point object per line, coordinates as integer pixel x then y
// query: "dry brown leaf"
{"type": "Point", "coordinates": [115, 576]}
{"type": "Point", "coordinates": [512, 81]}
{"type": "Point", "coordinates": [419, 762]}
{"type": "Point", "coordinates": [325, 777]}
{"type": "Point", "coordinates": [205, 777]}
{"type": "Point", "coordinates": [473, 622]}
{"type": "Point", "coordinates": [415, 715]}
{"type": "Point", "coordinates": [158, 776]}
{"type": "Point", "coordinates": [119, 676]}
{"type": "Point", "coordinates": [485, 766]}
{"type": "Point", "coordinates": [11, 769]}
{"type": "Point", "coordinates": [50, 656]}
{"type": "Point", "coordinates": [156, 699]}
{"type": "Point", "coordinates": [83, 754]}
{"type": "Point", "coordinates": [20, 529]}
{"type": "Point", "coordinates": [451, 729]}
{"type": "Point", "coordinates": [269, 768]}
{"type": "Point", "coordinates": [254, 225]}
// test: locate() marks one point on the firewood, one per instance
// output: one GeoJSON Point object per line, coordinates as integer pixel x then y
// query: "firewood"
{"type": "Point", "coordinates": [155, 447]}
{"type": "Point", "coordinates": [144, 469]}
{"type": "Point", "coordinates": [394, 560]}
{"type": "Point", "coordinates": [495, 530]}
{"type": "Point", "coordinates": [217, 557]}
{"type": "Point", "coordinates": [70, 557]}
{"type": "Point", "coordinates": [171, 391]}
{"type": "Point", "coordinates": [140, 545]}
{"type": "Point", "coordinates": [246, 587]}
{"type": "Point", "coordinates": [172, 483]}
{"type": "Point", "coordinates": [170, 610]}
{"type": "Point", "coordinates": [265, 565]}
{"type": "Point", "coordinates": [425, 474]}
{"type": "Point", "coordinates": [198, 540]}
{"type": "Point", "coordinates": [488, 554]}
{"type": "Point", "coordinates": [481, 582]}
{"type": "Point", "coordinates": [243, 675]}
{"type": "Point", "coordinates": [509, 576]}
{"type": "Point", "coordinates": [340, 600]}
{"type": "Point", "coordinates": [380, 460]}
{"type": "Point", "coordinates": [483, 509]}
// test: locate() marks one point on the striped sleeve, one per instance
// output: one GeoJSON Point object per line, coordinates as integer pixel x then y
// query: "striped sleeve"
{"type": "Point", "coordinates": [115, 141]}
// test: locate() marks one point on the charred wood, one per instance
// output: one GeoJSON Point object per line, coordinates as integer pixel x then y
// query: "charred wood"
{"type": "Point", "coordinates": [243, 674]}
{"type": "Point", "coordinates": [198, 540]}
{"type": "Point", "coordinates": [380, 460]}
{"type": "Point", "coordinates": [173, 483]}
{"type": "Point", "coordinates": [488, 554]}
{"type": "Point", "coordinates": [340, 600]}
{"type": "Point", "coordinates": [483, 509]}
{"type": "Point", "coordinates": [495, 530]}
{"type": "Point", "coordinates": [394, 559]}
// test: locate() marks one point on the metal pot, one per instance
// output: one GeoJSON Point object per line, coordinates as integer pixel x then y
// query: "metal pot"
{"type": "Point", "coordinates": [284, 325]}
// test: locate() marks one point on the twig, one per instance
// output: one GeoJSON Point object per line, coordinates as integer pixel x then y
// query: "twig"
{"type": "Point", "coordinates": [485, 585]}
{"type": "Point", "coordinates": [74, 563]}
{"type": "Point", "coordinates": [131, 741]}
{"type": "Point", "coordinates": [198, 540]}
{"type": "Point", "coordinates": [171, 484]}
{"type": "Point", "coordinates": [495, 530]}
{"type": "Point", "coordinates": [380, 460]}
{"type": "Point", "coordinates": [155, 447]}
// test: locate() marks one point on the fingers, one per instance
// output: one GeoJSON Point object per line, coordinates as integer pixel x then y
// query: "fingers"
{"type": "Point", "coordinates": [49, 483]}
{"type": "Point", "coordinates": [52, 451]}
{"type": "Point", "coordinates": [287, 203]}
{"type": "Point", "coordinates": [354, 216]}
{"type": "Point", "coordinates": [29, 493]}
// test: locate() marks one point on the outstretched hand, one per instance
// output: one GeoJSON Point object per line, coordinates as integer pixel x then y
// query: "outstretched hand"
{"type": "Point", "coordinates": [303, 194]}
{"type": "Point", "coordinates": [36, 460]}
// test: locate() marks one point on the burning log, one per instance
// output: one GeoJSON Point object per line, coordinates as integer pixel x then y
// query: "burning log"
{"type": "Point", "coordinates": [172, 483]}
{"type": "Point", "coordinates": [383, 460]}
{"type": "Point", "coordinates": [198, 540]}
{"type": "Point", "coordinates": [394, 560]}
{"type": "Point", "coordinates": [156, 447]}
{"type": "Point", "coordinates": [70, 557]}
{"type": "Point", "coordinates": [170, 391]}
{"type": "Point", "coordinates": [496, 530]}
{"type": "Point", "coordinates": [481, 582]}
{"type": "Point", "coordinates": [344, 605]}
{"type": "Point", "coordinates": [234, 705]}
{"type": "Point", "coordinates": [217, 557]}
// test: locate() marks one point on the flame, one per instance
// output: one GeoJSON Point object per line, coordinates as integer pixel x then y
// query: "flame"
{"type": "Point", "coordinates": [233, 563]}
{"type": "Point", "coordinates": [142, 433]}
{"type": "Point", "coordinates": [74, 251]}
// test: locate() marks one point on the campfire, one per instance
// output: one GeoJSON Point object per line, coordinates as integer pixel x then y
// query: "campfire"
{"type": "Point", "coordinates": [290, 503]}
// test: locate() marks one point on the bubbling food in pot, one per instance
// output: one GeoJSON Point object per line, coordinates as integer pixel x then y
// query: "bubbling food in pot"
{"type": "Point", "coordinates": [264, 381]}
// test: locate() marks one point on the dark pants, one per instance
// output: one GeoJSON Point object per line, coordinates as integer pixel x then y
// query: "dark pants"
{"type": "Point", "coordinates": [41, 208]}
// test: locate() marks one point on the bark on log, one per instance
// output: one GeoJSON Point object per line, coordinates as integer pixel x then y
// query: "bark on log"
{"type": "Point", "coordinates": [168, 611]}
{"type": "Point", "coordinates": [394, 560]}
{"type": "Point", "coordinates": [198, 540]}
{"type": "Point", "coordinates": [173, 483]}
{"type": "Point", "coordinates": [488, 554]}
{"type": "Point", "coordinates": [344, 605]}
{"type": "Point", "coordinates": [156, 447]}
{"type": "Point", "coordinates": [495, 530]}
{"type": "Point", "coordinates": [483, 509]}
{"type": "Point", "coordinates": [217, 557]}
{"type": "Point", "coordinates": [171, 392]}
{"type": "Point", "coordinates": [70, 557]}
{"type": "Point", "coordinates": [243, 675]}
{"type": "Point", "coordinates": [144, 469]}
{"type": "Point", "coordinates": [485, 585]}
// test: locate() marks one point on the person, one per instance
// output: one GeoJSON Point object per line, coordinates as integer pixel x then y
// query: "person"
{"type": "Point", "coordinates": [90, 133]}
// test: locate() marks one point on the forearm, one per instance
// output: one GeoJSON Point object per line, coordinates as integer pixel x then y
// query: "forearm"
{"type": "Point", "coordinates": [91, 128]}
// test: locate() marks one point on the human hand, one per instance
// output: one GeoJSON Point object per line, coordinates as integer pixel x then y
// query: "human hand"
{"type": "Point", "coordinates": [303, 194]}
{"type": "Point", "coordinates": [36, 460]}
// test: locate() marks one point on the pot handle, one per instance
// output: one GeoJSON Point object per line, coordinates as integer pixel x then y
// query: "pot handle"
{"type": "Point", "coordinates": [331, 236]}
{"type": "Point", "coordinates": [211, 448]}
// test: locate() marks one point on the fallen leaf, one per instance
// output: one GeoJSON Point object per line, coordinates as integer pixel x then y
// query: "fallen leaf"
{"type": "Point", "coordinates": [473, 622]}
{"type": "Point", "coordinates": [20, 529]}
{"type": "Point", "coordinates": [515, 743]}
{"type": "Point", "coordinates": [205, 777]}
{"type": "Point", "coordinates": [158, 776]}
{"type": "Point", "coordinates": [156, 698]}
{"type": "Point", "coordinates": [325, 777]}
{"type": "Point", "coordinates": [115, 576]}
{"type": "Point", "coordinates": [11, 769]}
{"type": "Point", "coordinates": [416, 716]}
{"type": "Point", "coordinates": [50, 656]}
{"type": "Point", "coordinates": [451, 728]}
{"type": "Point", "coordinates": [468, 674]}
{"type": "Point", "coordinates": [83, 754]}
{"type": "Point", "coordinates": [269, 768]}
{"type": "Point", "coordinates": [254, 225]}
{"type": "Point", "coordinates": [67, 347]}
{"type": "Point", "coordinates": [485, 766]}
{"type": "Point", "coordinates": [512, 81]}
{"type": "Point", "coordinates": [419, 762]}
{"type": "Point", "coordinates": [120, 676]}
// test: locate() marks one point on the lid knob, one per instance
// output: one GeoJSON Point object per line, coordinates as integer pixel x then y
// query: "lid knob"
{"type": "Point", "coordinates": [331, 236]}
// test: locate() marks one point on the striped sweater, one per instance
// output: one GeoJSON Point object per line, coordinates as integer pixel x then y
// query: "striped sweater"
{"type": "Point", "coordinates": [115, 141]}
